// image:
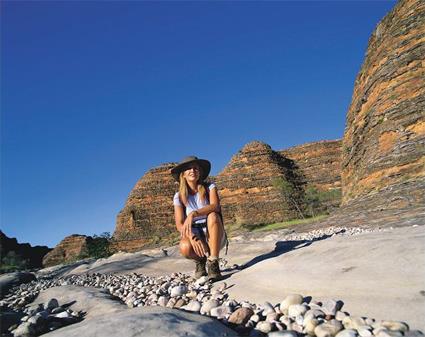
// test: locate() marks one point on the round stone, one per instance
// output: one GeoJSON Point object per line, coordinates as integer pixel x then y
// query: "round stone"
{"type": "Point", "coordinates": [163, 300]}
{"type": "Point", "coordinates": [314, 313]}
{"type": "Point", "coordinates": [328, 329]}
{"type": "Point", "coordinates": [208, 305]}
{"type": "Point", "coordinates": [194, 306]}
{"type": "Point", "coordinates": [395, 326]}
{"type": "Point", "coordinates": [310, 325]}
{"type": "Point", "coordinates": [271, 317]}
{"type": "Point", "coordinates": [330, 307]}
{"type": "Point", "coordinates": [178, 291]}
{"type": "Point", "coordinates": [295, 310]}
{"type": "Point", "coordinates": [267, 308]}
{"type": "Point", "coordinates": [350, 322]}
{"type": "Point", "coordinates": [241, 316]}
{"type": "Point", "coordinates": [255, 318]}
{"type": "Point", "coordinates": [290, 300]}
{"type": "Point", "coordinates": [347, 333]}
{"type": "Point", "coordinates": [364, 331]}
{"type": "Point", "coordinates": [221, 311]}
{"type": "Point", "coordinates": [264, 326]}
{"type": "Point", "coordinates": [340, 315]}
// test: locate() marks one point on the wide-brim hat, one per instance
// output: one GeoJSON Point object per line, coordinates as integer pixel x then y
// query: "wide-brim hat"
{"type": "Point", "coordinates": [204, 164]}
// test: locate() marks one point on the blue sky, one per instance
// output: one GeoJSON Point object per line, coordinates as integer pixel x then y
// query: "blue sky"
{"type": "Point", "coordinates": [95, 93]}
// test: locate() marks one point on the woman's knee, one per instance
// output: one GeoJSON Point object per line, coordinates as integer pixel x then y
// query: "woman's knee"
{"type": "Point", "coordinates": [213, 217]}
{"type": "Point", "coordinates": [185, 247]}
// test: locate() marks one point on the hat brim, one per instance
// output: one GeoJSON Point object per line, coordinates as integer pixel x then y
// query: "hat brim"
{"type": "Point", "coordinates": [205, 166]}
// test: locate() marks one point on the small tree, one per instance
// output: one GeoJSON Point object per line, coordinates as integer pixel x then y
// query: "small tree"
{"type": "Point", "coordinates": [289, 192]}
{"type": "Point", "coordinates": [312, 200]}
{"type": "Point", "coordinates": [100, 245]}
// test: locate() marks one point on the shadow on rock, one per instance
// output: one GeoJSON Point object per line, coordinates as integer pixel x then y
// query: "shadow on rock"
{"type": "Point", "coordinates": [281, 247]}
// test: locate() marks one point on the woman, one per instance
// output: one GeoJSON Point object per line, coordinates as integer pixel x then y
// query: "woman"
{"type": "Point", "coordinates": [198, 217]}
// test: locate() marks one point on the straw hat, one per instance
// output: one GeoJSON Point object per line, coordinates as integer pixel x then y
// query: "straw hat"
{"type": "Point", "coordinates": [204, 164]}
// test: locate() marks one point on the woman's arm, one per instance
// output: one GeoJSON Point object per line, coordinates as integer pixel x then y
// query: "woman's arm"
{"type": "Point", "coordinates": [179, 217]}
{"type": "Point", "coordinates": [183, 224]}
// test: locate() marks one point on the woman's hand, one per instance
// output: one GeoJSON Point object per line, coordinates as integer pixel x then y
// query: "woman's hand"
{"type": "Point", "coordinates": [187, 226]}
{"type": "Point", "coordinates": [199, 246]}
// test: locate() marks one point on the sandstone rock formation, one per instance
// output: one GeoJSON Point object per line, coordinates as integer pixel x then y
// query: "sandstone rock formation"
{"type": "Point", "coordinates": [248, 195]}
{"type": "Point", "coordinates": [246, 186]}
{"type": "Point", "coordinates": [384, 141]}
{"type": "Point", "coordinates": [319, 162]}
{"type": "Point", "coordinates": [148, 215]}
{"type": "Point", "coordinates": [68, 249]}
{"type": "Point", "coordinates": [33, 255]}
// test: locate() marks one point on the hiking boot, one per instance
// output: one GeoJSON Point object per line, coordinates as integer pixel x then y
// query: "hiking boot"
{"type": "Point", "coordinates": [213, 270]}
{"type": "Point", "coordinates": [200, 268]}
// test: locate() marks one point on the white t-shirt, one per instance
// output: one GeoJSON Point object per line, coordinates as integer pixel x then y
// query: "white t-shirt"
{"type": "Point", "coordinates": [194, 203]}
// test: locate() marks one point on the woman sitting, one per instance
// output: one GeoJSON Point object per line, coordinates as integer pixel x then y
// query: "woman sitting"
{"type": "Point", "coordinates": [198, 216]}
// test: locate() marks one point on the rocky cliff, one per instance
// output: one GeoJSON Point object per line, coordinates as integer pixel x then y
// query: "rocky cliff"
{"type": "Point", "coordinates": [319, 165]}
{"type": "Point", "coordinates": [68, 249]}
{"type": "Point", "coordinates": [33, 255]}
{"type": "Point", "coordinates": [148, 215]}
{"type": "Point", "coordinates": [247, 188]}
{"type": "Point", "coordinates": [384, 141]}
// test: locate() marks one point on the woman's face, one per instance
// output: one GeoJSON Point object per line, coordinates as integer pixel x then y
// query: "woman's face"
{"type": "Point", "coordinates": [192, 173]}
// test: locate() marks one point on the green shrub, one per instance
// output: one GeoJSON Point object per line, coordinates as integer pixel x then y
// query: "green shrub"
{"type": "Point", "coordinates": [99, 246]}
{"type": "Point", "coordinates": [12, 262]}
{"type": "Point", "coordinates": [290, 193]}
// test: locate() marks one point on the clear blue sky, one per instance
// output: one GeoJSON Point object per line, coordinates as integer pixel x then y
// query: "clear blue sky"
{"type": "Point", "coordinates": [95, 93]}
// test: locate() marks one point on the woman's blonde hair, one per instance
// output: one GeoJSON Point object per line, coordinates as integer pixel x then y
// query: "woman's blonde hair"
{"type": "Point", "coordinates": [184, 190]}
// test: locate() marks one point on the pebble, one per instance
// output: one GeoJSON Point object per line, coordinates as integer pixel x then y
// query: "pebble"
{"type": "Point", "coordinates": [347, 333]}
{"type": "Point", "coordinates": [264, 326]}
{"type": "Point", "coordinates": [364, 331]}
{"type": "Point", "coordinates": [208, 305]}
{"type": "Point", "coordinates": [328, 329]}
{"type": "Point", "coordinates": [267, 308]}
{"type": "Point", "coordinates": [352, 322]}
{"type": "Point", "coordinates": [340, 315]}
{"type": "Point", "coordinates": [272, 317]}
{"type": "Point", "coordinates": [295, 310]}
{"type": "Point", "coordinates": [193, 306]}
{"type": "Point", "coordinates": [330, 307]}
{"type": "Point", "coordinates": [290, 300]}
{"type": "Point", "coordinates": [221, 311]}
{"type": "Point", "coordinates": [241, 316]}
{"type": "Point", "coordinates": [395, 326]}
{"type": "Point", "coordinates": [310, 325]}
{"type": "Point", "coordinates": [178, 291]}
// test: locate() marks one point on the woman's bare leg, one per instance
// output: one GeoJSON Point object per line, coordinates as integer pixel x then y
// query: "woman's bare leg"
{"type": "Point", "coordinates": [187, 251]}
{"type": "Point", "coordinates": [215, 233]}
